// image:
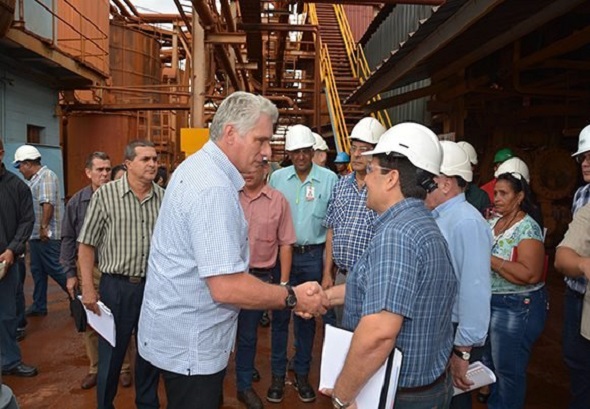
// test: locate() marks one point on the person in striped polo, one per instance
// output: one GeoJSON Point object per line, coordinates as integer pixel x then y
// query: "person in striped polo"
{"type": "Point", "coordinates": [118, 225]}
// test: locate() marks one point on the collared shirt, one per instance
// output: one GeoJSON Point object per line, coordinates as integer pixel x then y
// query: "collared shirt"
{"type": "Point", "coordinates": [470, 243]}
{"type": "Point", "coordinates": [16, 212]}
{"type": "Point", "coordinates": [581, 199]}
{"type": "Point", "coordinates": [308, 200]}
{"type": "Point", "coordinates": [269, 225]}
{"type": "Point", "coordinates": [504, 244]}
{"type": "Point", "coordinates": [477, 197]}
{"type": "Point", "coordinates": [201, 233]}
{"type": "Point", "coordinates": [350, 220]}
{"type": "Point", "coordinates": [120, 227]}
{"type": "Point", "coordinates": [577, 236]}
{"type": "Point", "coordinates": [70, 228]}
{"type": "Point", "coordinates": [44, 186]}
{"type": "Point", "coordinates": [407, 270]}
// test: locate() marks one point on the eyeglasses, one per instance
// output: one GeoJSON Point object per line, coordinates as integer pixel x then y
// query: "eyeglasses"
{"type": "Point", "coordinates": [585, 157]}
{"type": "Point", "coordinates": [359, 149]}
{"type": "Point", "coordinates": [370, 168]}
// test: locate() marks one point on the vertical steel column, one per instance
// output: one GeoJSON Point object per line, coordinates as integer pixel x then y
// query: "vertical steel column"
{"type": "Point", "coordinates": [199, 74]}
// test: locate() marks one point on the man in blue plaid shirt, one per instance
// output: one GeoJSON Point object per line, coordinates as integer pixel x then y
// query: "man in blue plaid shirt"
{"type": "Point", "coordinates": [349, 221]}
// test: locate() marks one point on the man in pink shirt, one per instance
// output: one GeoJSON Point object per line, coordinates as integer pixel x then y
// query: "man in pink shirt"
{"type": "Point", "coordinates": [270, 234]}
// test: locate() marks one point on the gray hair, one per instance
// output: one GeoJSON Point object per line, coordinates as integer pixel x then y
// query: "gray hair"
{"type": "Point", "coordinates": [95, 155]}
{"type": "Point", "coordinates": [241, 110]}
{"type": "Point", "coordinates": [130, 153]}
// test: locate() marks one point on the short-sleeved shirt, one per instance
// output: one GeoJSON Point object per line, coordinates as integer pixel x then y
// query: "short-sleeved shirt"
{"type": "Point", "coordinates": [350, 220]}
{"type": "Point", "coordinates": [119, 226]}
{"type": "Point", "coordinates": [581, 199]}
{"type": "Point", "coordinates": [201, 232]}
{"type": "Point", "coordinates": [504, 245]}
{"type": "Point", "coordinates": [44, 186]}
{"type": "Point", "coordinates": [407, 270]}
{"type": "Point", "coordinates": [269, 225]}
{"type": "Point", "coordinates": [308, 200]}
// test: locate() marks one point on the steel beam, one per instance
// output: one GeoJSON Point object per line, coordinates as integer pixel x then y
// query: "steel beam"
{"type": "Point", "coordinates": [225, 38]}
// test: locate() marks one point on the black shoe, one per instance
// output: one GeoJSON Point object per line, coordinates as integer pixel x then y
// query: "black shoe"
{"type": "Point", "coordinates": [20, 334]}
{"type": "Point", "coordinates": [304, 389]}
{"type": "Point", "coordinates": [21, 370]}
{"type": "Point", "coordinates": [255, 375]}
{"type": "Point", "coordinates": [250, 398]}
{"type": "Point", "coordinates": [265, 319]}
{"type": "Point", "coordinates": [34, 313]}
{"type": "Point", "coordinates": [276, 392]}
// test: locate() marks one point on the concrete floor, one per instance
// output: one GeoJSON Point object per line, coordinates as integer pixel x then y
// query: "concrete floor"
{"type": "Point", "coordinates": [53, 345]}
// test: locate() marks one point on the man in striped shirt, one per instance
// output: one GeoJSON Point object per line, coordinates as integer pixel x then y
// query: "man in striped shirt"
{"type": "Point", "coordinates": [118, 225]}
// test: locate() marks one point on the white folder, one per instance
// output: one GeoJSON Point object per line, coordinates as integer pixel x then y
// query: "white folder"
{"type": "Point", "coordinates": [379, 391]}
{"type": "Point", "coordinates": [104, 323]}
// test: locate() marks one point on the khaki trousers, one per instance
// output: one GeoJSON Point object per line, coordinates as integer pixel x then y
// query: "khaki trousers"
{"type": "Point", "coordinates": [91, 337]}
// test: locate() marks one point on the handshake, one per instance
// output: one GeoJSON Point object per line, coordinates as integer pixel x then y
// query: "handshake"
{"type": "Point", "coordinates": [312, 300]}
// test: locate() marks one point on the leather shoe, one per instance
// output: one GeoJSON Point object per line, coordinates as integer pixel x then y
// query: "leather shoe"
{"type": "Point", "coordinates": [125, 379]}
{"type": "Point", "coordinates": [255, 375]}
{"type": "Point", "coordinates": [304, 389]}
{"type": "Point", "coordinates": [89, 381]}
{"type": "Point", "coordinates": [250, 398]}
{"type": "Point", "coordinates": [21, 369]}
{"type": "Point", "coordinates": [276, 392]}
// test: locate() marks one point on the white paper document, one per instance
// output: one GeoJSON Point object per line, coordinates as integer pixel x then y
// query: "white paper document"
{"type": "Point", "coordinates": [104, 323]}
{"type": "Point", "coordinates": [480, 375]}
{"type": "Point", "coordinates": [379, 391]}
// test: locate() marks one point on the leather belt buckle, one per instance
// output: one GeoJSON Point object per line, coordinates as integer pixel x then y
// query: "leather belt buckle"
{"type": "Point", "coordinates": [135, 280]}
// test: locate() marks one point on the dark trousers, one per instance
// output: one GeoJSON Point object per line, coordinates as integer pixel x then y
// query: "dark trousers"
{"type": "Point", "coordinates": [20, 292]}
{"type": "Point", "coordinates": [11, 356]}
{"type": "Point", "coordinates": [45, 263]}
{"type": "Point", "coordinates": [576, 351]}
{"type": "Point", "coordinates": [193, 392]}
{"type": "Point", "coordinates": [305, 267]}
{"type": "Point", "coordinates": [124, 300]}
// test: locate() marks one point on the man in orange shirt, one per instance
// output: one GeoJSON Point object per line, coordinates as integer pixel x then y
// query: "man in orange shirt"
{"type": "Point", "coordinates": [270, 233]}
{"type": "Point", "coordinates": [501, 156]}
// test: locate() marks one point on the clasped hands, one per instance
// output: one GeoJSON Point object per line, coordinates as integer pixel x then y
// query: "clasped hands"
{"type": "Point", "coordinates": [312, 301]}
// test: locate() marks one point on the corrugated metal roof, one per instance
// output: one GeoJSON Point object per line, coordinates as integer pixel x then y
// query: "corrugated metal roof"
{"type": "Point", "coordinates": [504, 17]}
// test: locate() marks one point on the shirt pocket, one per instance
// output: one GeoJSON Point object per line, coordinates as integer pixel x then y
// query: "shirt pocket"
{"type": "Point", "coordinates": [320, 208]}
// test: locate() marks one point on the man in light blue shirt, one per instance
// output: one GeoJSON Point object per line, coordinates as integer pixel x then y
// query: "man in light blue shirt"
{"type": "Point", "coordinates": [197, 277]}
{"type": "Point", "coordinates": [307, 187]}
{"type": "Point", "coordinates": [470, 244]}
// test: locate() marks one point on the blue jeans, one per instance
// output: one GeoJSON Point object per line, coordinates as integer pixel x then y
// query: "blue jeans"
{"type": "Point", "coordinates": [305, 267]}
{"type": "Point", "coordinates": [437, 397]}
{"type": "Point", "coordinates": [576, 351]}
{"type": "Point", "coordinates": [44, 263]}
{"type": "Point", "coordinates": [517, 320]}
{"type": "Point", "coordinates": [11, 355]}
{"type": "Point", "coordinates": [246, 345]}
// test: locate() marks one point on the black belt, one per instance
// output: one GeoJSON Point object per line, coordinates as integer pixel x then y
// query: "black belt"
{"type": "Point", "coordinates": [424, 388]}
{"type": "Point", "coordinates": [342, 271]}
{"type": "Point", "coordinates": [260, 271]}
{"type": "Point", "coordinates": [306, 248]}
{"type": "Point", "coordinates": [132, 280]}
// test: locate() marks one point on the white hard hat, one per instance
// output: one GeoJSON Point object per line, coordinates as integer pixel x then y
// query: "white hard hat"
{"type": "Point", "coordinates": [320, 143]}
{"type": "Point", "coordinates": [455, 161]}
{"type": "Point", "coordinates": [298, 137]}
{"type": "Point", "coordinates": [467, 147]}
{"type": "Point", "coordinates": [584, 141]}
{"type": "Point", "coordinates": [514, 165]}
{"type": "Point", "coordinates": [26, 152]}
{"type": "Point", "coordinates": [367, 130]}
{"type": "Point", "coordinates": [416, 142]}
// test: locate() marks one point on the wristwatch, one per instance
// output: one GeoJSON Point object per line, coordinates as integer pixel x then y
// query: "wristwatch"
{"type": "Point", "coordinates": [291, 299]}
{"type": "Point", "coordinates": [464, 355]}
{"type": "Point", "coordinates": [338, 404]}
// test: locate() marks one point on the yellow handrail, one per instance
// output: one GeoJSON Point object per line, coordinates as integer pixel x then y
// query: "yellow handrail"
{"type": "Point", "coordinates": [357, 59]}
{"type": "Point", "coordinates": [333, 99]}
